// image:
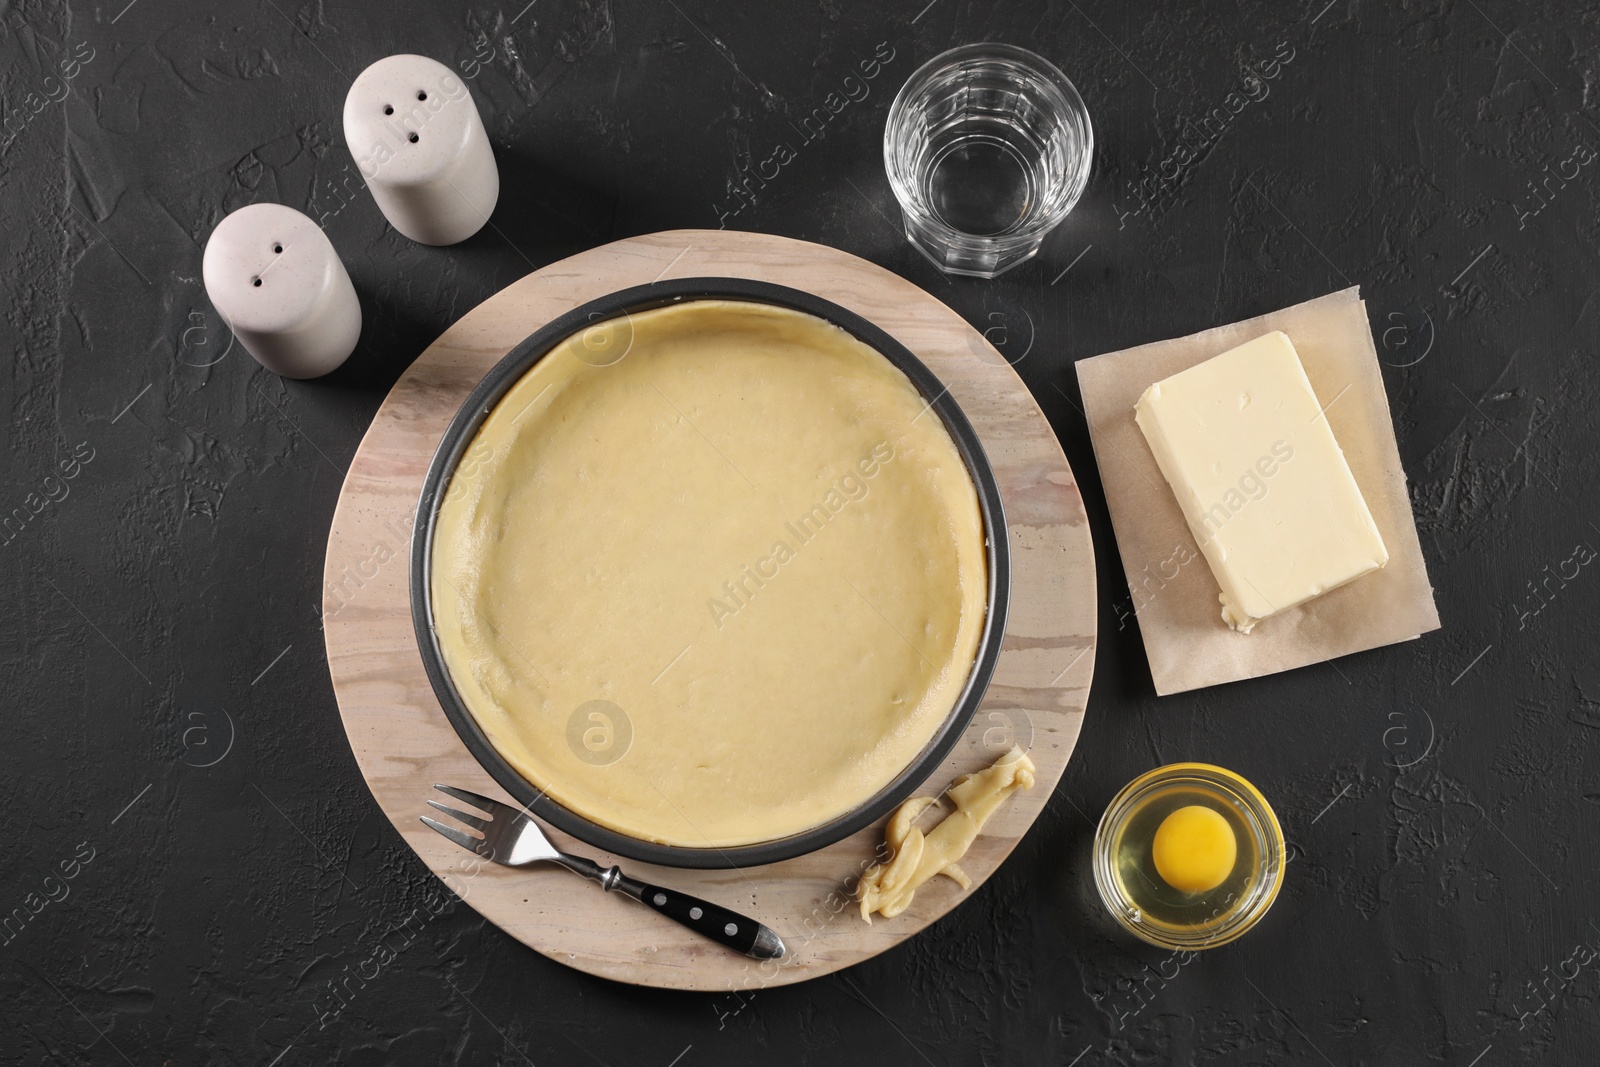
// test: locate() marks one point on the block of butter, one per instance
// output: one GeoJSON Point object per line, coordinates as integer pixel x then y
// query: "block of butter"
{"type": "Point", "coordinates": [1263, 484]}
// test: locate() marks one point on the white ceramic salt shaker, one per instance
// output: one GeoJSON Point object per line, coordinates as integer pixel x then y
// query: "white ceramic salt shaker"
{"type": "Point", "coordinates": [416, 135]}
{"type": "Point", "coordinates": [274, 277]}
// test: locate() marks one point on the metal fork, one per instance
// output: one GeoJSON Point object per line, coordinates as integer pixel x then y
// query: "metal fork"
{"type": "Point", "coordinates": [512, 838]}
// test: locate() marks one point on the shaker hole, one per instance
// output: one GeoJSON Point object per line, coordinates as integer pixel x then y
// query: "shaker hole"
{"type": "Point", "coordinates": [421, 95]}
{"type": "Point", "coordinates": [256, 282]}
{"type": "Point", "coordinates": [388, 109]}
{"type": "Point", "coordinates": [413, 138]}
{"type": "Point", "coordinates": [277, 248]}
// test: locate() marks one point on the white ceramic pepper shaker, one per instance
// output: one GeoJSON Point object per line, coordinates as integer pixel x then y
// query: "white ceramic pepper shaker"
{"type": "Point", "coordinates": [416, 135]}
{"type": "Point", "coordinates": [274, 277]}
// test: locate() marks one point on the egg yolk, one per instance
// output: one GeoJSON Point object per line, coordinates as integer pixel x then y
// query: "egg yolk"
{"type": "Point", "coordinates": [1194, 849]}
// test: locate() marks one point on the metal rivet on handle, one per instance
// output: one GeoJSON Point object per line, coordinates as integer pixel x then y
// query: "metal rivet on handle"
{"type": "Point", "coordinates": [661, 900]}
{"type": "Point", "coordinates": [730, 929]}
{"type": "Point", "coordinates": [695, 913]}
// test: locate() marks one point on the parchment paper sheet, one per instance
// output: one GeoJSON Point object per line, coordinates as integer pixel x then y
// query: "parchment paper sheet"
{"type": "Point", "coordinates": [1171, 585]}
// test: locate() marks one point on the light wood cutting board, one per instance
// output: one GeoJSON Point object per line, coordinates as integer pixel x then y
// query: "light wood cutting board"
{"type": "Point", "coordinates": [403, 742]}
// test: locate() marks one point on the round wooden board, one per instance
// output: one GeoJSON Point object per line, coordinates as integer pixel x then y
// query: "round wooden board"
{"type": "Point", "coordinates": [404, 744]}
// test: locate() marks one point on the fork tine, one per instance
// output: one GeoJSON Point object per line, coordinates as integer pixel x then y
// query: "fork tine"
{"type": "Point", "coordinates": [482, 803]}
{"type": "Point", "coordinates": [479, 824]}
{"type": "Point", "coordinates": [466, 841]}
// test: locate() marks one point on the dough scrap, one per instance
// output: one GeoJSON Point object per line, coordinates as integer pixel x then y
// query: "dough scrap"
{"type": "Point", "coordinates": [915, 857]}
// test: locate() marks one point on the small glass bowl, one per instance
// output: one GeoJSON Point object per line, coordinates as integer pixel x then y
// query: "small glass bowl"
{"type": "Point", "coordinates": [1159, 914]}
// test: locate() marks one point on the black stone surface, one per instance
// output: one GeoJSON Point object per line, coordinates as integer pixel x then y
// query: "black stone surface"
{"type": "Point", "coordinates": [172, 736]}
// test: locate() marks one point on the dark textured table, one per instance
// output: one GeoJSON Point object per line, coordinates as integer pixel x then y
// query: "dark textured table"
{"type": "Point", "coordinates": [191, 858]}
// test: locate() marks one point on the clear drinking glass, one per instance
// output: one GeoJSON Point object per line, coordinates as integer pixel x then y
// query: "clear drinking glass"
{"type": "Point", "coordinates": [988, 146]}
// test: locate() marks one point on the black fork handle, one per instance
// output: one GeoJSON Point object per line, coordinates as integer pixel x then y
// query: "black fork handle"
{"type": "Point", "coordinates": [738, 932]}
